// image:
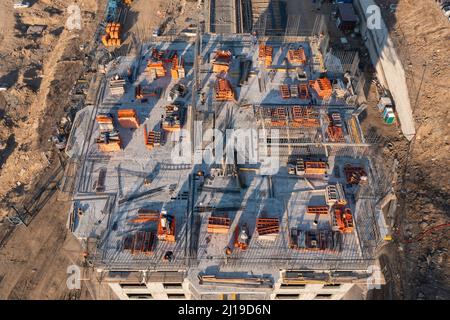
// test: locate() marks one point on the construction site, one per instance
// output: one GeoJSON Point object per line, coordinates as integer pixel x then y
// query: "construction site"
{"type": "Point", "coordinates": [236, 159]}
{"type": "Point", "coordinates": [155, 227]}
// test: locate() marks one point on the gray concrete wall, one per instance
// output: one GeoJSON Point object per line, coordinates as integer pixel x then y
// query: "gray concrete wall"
{"type": "Point", "coordinates": [388, 66]}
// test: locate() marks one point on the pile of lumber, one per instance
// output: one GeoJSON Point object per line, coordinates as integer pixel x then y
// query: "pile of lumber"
{"type": "Point", "coordinates": [223, 90]}
{"type": "Point", "coordinates": [218, 224]}
{"type": "Point", "coordinates": [156, 69]}
{"type": "Point", "coordinates": [128, 118]}
{"type": "Point", "coordinates": [334, 130]}
{"type": "Point", "coordinates": [267, 228]}
{"type": "Point", "coordinates": [315, 167]}
{"type": "Point", "coordinates": [142, 92]}
{"type": "Point", "coordinates": [334, 194]}
{"type": "Point", "coordinates": [284, 91]}
{"type": "Point", "coordinates": [278, 117]}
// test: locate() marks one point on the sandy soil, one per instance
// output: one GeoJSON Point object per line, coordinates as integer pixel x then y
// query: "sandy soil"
{"type": "Point", "coordinates": [34, 261]}
{"type": "Point", "coordinates": [40, 72]}
{"type": "Point", "coordinates": [420, 268]}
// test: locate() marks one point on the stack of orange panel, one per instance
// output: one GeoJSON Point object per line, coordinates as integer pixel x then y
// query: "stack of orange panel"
{"type": "Point", "coordinates": [128, 118]}
{"type": "Point", "coordinates": [317, 210]}
{"type": "Point", "coordinates": [156, 69]}
{"type": "Point", "coordinates": [112, 36]}
{"type": "Point", "coordinates": [297, 56]}
{"type": "Point", "coordinates": [142, 92]}
{"type": "Point", "coordinates": [152, 138]}
{"type": "Point", "coordinates": [223, 89]}
{"type": "Point", "coordinates": [284, 91]}
{"type": "Point", "coordinates": [265, 54]}
{"type": "Point", "coordinates": [218, 224]}
{"type": "Point", "coordinates": [177, 70]}
{"type": "Point", "coordinates": [278, 117]}
{"type": "Point", "coordinates": [140, 242]}
{"type": "Point", "coordinates": [315, 167]}
{"type": "Point", "coordinates": [304, 117]}
{"type": "Point", "coordinates": [267, 228]}
{"type": "Point", "coordinates": [303, 91]}
{"type": "Point", "coordinates": [323, 87]}
{"type": "Point", "coordinates": [221, 62]}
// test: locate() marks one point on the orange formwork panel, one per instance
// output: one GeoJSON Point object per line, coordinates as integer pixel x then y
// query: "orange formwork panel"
{"type": "Point", "coordinates": [221, 61]}
{"type": "Point", "coordinates": [284, 91]}
{"type": "Point", "coordinates": [323, 87]}
{"type": "Point", "coordinates": [266, 226]}
{"type": "Point", "coordinates": [128, 118]}
{"type": "Point", "coordinates": [218, 225]}
{"type": "Point", "coordinates": [317, 209]}
{"type": "Point", "coordinates": [297, 56]}
{"type": "Point", "coordinates": [112, 146]}
{"type": "Point", "coordinates": [278, 117]}
{"type": "Point", "coordinates": [265, 54]}
{"type": "Point", "coordinates": [303, 92]}
{"type": "Point", "coordinates": [315, 167]}
{"type": "Point", "coordinates": [223, 90]}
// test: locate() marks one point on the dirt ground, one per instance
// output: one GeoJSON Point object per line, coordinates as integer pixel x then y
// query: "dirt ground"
{"type": "Point", "coordinates": [40, 72]}
{"type": "Point", "coordinates": [418, 267]}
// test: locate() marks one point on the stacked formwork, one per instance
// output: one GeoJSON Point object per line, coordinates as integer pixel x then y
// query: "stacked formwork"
{"type": "Point", "coordinates": [297, 56]}
{"type": "Point", "coordinates": [108, 139]}
{"type": "Point", "coordinates": [335, 130]}
{"type": "Point", "coordinates": [112, 37]}
{"type": "Point", "coordinates": [323, 87]}
{"type": "Point", "coordinates": [128, 118]}
{"type": "Point", "coordinates": [221, 62]}
{"type": "Point", "coordinates": [265, 55]}
{"type": "Point", "coordinates": [223, 90]}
